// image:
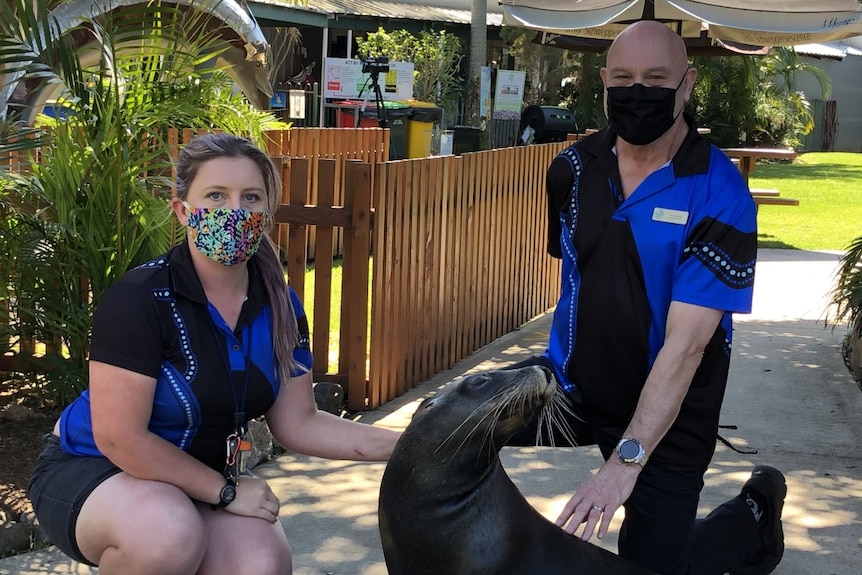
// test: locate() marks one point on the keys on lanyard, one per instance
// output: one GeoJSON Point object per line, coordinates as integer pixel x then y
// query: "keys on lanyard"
{"type": "Point", "coordinates": [237, 447]}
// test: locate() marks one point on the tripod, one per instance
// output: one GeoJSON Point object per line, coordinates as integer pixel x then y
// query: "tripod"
{"type": "Point", "coordinates": [373, 77]}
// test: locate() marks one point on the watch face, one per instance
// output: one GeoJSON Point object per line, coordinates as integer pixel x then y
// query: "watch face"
{"type": "Point", "coordinates": [629, 450]}
{"type": "Point", "coordinates": [228, 493]}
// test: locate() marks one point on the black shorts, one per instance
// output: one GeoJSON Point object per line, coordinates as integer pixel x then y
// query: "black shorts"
{"type": "Point", "coordinates": [59, 485]}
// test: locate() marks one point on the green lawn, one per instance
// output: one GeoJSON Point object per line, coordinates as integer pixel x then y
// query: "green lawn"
{"type": "Point", "coordinates": [828, 186]}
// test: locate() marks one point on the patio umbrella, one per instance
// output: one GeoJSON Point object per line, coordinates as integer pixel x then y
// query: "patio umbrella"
{"type": "Point", "coordinates": [751, 22]}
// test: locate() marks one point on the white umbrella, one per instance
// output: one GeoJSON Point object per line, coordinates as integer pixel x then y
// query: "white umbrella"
{"type": "Point", "coordinates": [753, 22]}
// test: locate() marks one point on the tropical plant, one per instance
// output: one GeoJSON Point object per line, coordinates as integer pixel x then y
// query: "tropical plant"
{"type": "Point", "coordinates": [89, 200]}
{"type": "Point", "coordinates": [436, 58]}
{"type": "Point", "coordinates": [784, 115]}
{"type": "Point", "coordinates": [846, 299]}
{"type": "Point", "coordinates": [753, 99]}
{"type": "Point", "coordinates": [583, 91]}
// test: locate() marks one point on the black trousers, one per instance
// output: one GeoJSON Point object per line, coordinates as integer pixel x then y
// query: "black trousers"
{"type": "Point", "coordinates": [661, 531]}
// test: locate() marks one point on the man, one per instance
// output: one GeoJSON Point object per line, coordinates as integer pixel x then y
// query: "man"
{"type": "Point", "coordinates": [657, 233]}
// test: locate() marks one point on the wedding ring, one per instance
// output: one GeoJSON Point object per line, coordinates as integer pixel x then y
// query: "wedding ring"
{"type": "Point", "coordinates": [599, 509]}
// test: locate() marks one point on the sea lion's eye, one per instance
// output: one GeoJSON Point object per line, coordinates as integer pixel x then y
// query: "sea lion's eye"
{"type": "Point", "coordinates": [427, 404]}
{"type": "Point", "coordinates": [478, 381]}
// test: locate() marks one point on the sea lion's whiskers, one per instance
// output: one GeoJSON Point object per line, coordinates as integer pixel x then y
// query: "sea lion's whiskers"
{"type": "Point", "coordinates": [513, 400]}
{"type": "Point", "coordinates": [553, 419]}
{"type": "Point", "coordinates": [493, 411]}
{"type": "Point", "coordinates": [557, 411]}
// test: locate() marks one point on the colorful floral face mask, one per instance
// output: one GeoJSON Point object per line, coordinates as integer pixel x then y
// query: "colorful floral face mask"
{"type": "Point", "coordinates": [226, 235]}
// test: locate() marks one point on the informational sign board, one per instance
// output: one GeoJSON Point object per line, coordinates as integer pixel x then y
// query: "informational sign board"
{"type": "Point", "coordinates": [296, 98]}
{"type": "Point", "coordinates": [344, 80]}
{"type": "Point", "coordinates": [509, 94]}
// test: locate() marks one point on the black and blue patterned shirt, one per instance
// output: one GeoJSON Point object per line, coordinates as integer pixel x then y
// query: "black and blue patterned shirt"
{"type": "Point", "coordinates": [156, 321]}
{"type": "Point", "coordinates": [688, 234]}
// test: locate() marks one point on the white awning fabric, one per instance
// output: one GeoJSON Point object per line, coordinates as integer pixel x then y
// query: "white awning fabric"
{"type": "Point", "coordinates": [753, 22]}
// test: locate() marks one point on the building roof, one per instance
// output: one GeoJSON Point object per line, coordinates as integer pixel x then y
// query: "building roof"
{"type": "Point", "coordinates": [836, 50]}
{"type": "Point", "coordinates": [452, 11]}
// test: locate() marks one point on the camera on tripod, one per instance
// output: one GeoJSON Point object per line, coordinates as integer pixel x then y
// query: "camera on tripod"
{"type": "Point", "coordinates": [376, 65]}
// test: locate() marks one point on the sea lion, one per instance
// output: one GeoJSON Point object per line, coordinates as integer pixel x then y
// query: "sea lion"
{"type": "Point", "coordinates": [447, 506]}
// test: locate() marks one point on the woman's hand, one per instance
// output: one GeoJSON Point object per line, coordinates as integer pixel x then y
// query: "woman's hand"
{"type": "Point", "coordinates": [254, 498]}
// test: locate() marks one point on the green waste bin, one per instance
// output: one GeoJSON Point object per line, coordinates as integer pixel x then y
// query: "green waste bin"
{"type": "Point", "coordinates": [467, 139]}
{"type": "Point", "coordinates": [397, 115]}
{"type": "Point", "coordinates": [420, 127]}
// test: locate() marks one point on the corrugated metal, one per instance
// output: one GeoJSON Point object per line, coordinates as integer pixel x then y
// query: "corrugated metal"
{"type": "Point", "coordinates": [837, 50]}
{"type": "Point", "coordinates": [393, 10]}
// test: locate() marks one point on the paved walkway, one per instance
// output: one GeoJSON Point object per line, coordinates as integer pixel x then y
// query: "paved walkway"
{"type": "Point", "coordinates": [789, 394]}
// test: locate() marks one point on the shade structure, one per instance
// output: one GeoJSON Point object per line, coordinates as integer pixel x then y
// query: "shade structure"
{"type": "Point", "coordinates": [701, 45]}
{"type": "Point", "coordinates": [751, 22]}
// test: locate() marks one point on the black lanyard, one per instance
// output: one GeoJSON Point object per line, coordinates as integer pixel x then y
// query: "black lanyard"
{"type": "Point", "coordinates": [235, 444]}
{"type": "Point", "coordinates": [238, 403]}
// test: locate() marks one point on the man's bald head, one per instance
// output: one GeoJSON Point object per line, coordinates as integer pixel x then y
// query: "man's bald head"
{"type": "Point", "coordinates": [649, 36]}
{"type": "Point", "coordinates": [645, 63]}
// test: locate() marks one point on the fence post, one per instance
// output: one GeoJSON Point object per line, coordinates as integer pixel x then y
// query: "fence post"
{"type": "Point", "coordinates": [323, 267]}
{"type": "Point", "coordinates": [296, 245]}
{"type": "Point", "coordinates": [358, 176]}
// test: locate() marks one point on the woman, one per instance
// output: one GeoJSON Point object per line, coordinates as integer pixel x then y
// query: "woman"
{"type": "Point", "coordinates": [143, 473]}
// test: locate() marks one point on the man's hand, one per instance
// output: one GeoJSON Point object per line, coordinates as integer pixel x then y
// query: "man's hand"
{"type": "Point", "coordinates": [598, 498]}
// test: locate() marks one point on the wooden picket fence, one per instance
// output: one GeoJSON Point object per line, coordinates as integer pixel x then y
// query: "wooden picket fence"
{"type": "Point", "coordinates": [459, 260]}
{"type": "Point", "coordinates": [369, 145]}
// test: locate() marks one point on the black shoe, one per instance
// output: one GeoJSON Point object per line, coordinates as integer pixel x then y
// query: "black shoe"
{"type": "Point", "coordinates": [768, 482]}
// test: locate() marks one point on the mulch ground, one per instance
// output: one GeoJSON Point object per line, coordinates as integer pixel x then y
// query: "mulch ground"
{"type": "Point", "coordinates": [20, 441]}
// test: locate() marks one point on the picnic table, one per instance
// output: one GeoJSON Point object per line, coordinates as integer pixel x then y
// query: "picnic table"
{"type": "Point", "coordinates": [747, 158]}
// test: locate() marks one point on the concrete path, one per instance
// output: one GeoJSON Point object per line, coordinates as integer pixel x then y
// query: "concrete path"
{"type": "Point", "coordinates": [789, 395]}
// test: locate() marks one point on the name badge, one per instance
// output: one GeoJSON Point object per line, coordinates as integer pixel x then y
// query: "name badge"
{"type": "Point", "coordinates": [670, 216]}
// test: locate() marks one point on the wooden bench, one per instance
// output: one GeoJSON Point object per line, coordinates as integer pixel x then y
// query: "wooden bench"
{"type": "Point", "coordinates": [774, 201]}
{"type": "Point", "coordinates": [765, 196]}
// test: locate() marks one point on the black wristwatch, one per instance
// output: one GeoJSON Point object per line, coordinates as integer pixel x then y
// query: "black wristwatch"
{"type": "Point", "coordinates": [631, 451]}
{"type": "Point", "coordinates": [226, 496]}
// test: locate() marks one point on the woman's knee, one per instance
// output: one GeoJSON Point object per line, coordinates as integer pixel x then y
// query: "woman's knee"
{"type": "Point", "coordinates": [138, 522]}
{"type": "Point", "coordinates": [262, 550]}
{"type": "Point", "coordinates": [272, 560]}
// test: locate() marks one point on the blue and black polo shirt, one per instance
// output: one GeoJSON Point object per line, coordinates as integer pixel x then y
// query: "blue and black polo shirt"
{"type": "Point", "coordinates": [156, 321]}
{"type": "Point", "coordinates": [688, 234]}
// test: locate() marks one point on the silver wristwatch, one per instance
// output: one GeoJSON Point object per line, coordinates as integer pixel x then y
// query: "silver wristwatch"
{"type": "Point", "coordinates": [631, 451]}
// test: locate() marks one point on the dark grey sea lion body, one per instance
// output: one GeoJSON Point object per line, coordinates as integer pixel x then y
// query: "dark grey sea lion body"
{"type": "Point", "coordinates": [447, 506]}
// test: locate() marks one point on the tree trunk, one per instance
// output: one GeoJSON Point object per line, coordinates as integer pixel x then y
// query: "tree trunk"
{"type": "Point", "coordinates": [853, 350]}
{"type": "Point", "coordinates": [478, 55]}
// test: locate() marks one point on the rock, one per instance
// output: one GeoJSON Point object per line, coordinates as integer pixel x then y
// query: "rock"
{"type": "Point", "coordinates": [262, 443]}
{"type": "Point", "coordinates": [16, 413]}
{"type": "Point", "coordinates": [15, 538]}
{"type": "Point", "coordinates": [329, 396]}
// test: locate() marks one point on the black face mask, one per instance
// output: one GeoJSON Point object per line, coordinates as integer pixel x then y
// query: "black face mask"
{"type": "Point", "coordinates": [641, 114]}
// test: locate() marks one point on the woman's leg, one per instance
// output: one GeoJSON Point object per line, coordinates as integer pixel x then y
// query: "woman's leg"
{"type": "Point", "coordinates": [131, 526]}
{"type": "Point", "coordinates": [243, 545]}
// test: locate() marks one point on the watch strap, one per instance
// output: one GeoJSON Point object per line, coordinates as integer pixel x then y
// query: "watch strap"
{"type": "Point", "coordinates": [224, 498]}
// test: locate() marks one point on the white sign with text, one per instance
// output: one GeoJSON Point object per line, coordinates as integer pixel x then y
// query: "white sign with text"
{"type": "Point", "coordinates": [345, 80]}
